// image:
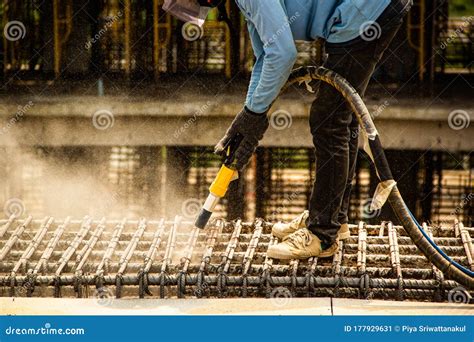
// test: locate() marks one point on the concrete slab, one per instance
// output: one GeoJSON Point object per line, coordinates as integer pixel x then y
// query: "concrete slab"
{"type": "Point", "coordinates": [111, 306]}
{"type": "Point", "coordinates": [392, 308]}
{"type": "Point", "coordinates": [230, 306]}
{"type": "Point", "coordinates": [67, 120]}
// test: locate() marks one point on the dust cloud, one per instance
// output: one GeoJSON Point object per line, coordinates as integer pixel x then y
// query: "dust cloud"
{"type": "Point", "coordinates": [60, 184]}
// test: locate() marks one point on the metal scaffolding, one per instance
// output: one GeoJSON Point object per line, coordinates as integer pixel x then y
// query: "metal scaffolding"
{"type": "Point", "coordinates": [137, 38]}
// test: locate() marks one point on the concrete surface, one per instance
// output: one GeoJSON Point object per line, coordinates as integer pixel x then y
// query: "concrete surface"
{"type": "Point", "coordinates": [230, 306]}
{"type": "Point", "coordinates": [57, 121]}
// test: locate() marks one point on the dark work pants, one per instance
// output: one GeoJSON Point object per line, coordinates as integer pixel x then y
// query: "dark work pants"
{"type": "Point", "coordinates": [335, 128]}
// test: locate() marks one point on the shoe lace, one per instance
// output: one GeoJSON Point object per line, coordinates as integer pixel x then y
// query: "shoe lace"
{"type": "Point", "coordinates": [299, 238]}
{"type": "Point", "coordinates": [296, 222]}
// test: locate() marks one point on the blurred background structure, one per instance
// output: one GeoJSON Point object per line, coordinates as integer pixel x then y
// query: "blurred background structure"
{"type": "Point", "coordinates": [112, 107]}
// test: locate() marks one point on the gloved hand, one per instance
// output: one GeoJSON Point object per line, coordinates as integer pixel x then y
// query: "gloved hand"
{"type": "Point", "coordinates": [251, 126]}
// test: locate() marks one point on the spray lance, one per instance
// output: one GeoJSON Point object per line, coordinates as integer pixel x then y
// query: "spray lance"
{"type": "Point", "coordinates": [227, 173]}
{"type": "Point", "coordinates": [195, 12]}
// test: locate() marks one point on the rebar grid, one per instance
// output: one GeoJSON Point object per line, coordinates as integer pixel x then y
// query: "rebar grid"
{"type": "Point", "coordinates": [167, 259]}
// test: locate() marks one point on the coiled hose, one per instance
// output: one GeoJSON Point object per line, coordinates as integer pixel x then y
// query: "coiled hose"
{"type": "Point", "coordinates": [435, 255]}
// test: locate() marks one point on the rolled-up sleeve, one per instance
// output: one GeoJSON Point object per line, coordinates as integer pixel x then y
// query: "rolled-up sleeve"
{"type": "Point", "coordinates": [274, 48]}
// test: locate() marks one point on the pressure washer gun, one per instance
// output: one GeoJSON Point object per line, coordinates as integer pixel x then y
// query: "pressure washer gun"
{"type": "Point", "coordinates": [219, 186]}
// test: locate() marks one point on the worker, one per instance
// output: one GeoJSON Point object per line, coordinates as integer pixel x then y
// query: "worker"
{"type": "Point", "coordinates": [356, 35]}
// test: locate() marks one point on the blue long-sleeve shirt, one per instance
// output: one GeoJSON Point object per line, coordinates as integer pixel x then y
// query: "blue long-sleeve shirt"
{"type": "Point", "coordinates": [274, 25]}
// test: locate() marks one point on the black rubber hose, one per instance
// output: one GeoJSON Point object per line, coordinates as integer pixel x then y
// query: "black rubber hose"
{"type": "Point", "coordinates": [435, 255]}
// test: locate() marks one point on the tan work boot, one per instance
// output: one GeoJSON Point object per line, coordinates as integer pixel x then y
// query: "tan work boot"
{"type": "Point", "coordinates": [329, 252]}
{"type": "Point", "coordinates": [344, 233]}
{"type": "Point", "coordinates": [281, 230]}
{"type": "Point", "coordinates": [302, 244]}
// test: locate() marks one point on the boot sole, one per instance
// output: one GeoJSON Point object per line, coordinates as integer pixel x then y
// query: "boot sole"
{"type": "Point", "coordinates": [329, 252]}
{"type": "Point", "coordinates": [344, 232]}
{"type": "Point", "coordinates": [344, 236]}
{"type": "Point", "coordinates": [341, 236]}
{"type": "Point", "coordinates": [291, 257]}
{"type": "Point", "coordinates": [282, 256]}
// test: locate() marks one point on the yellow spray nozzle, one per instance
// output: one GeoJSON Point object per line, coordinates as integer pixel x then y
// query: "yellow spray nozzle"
{"type": "Point", "coordinates": [221, 183]}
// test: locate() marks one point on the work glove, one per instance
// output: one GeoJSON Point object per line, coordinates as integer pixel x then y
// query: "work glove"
{"type": "Point", "coordinates": [251, 126]}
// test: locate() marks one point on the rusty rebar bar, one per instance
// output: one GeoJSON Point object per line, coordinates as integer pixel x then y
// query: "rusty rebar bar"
{"type": "Point", "coordinates": [226, 260]}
